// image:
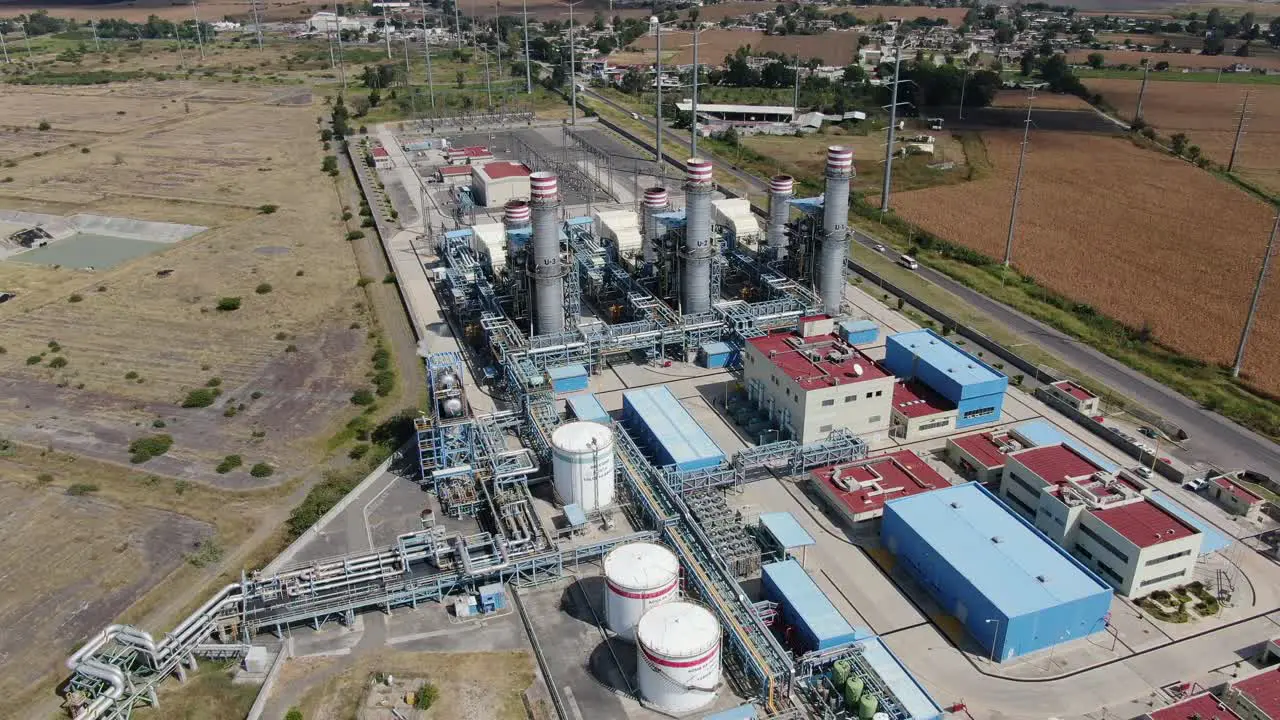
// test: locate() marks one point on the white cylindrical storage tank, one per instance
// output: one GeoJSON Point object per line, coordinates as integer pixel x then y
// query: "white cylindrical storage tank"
{"type": "Point", "coordinates": [640, 576]}
{"type": "Point", "coordinates": [582, 463]}
{"type": "Point", "coordinates": [678, 657]}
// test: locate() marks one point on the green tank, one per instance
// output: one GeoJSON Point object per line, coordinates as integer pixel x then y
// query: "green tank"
{"type": "Point", "coordinates": [867, 706]}
{"type": "Point", "coordinates": [852, 691]}
{"type": "Point", "coordinates": [840, 673]}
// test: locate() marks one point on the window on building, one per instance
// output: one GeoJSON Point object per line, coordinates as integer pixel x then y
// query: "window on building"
{"type": "Point", "coordinates": [935, 424]}
{"type": "Point", "coordinates": [1167, 558]}
{"type": "Point", "coordinates": [879, 393]}
{"type": "Point", "coordinates": [869, 396]}
{"type": "Point", "coordinates": [828, 403]}
{"type": "Point", "coordinates": [1102, 568]}
{"type": "Point", "coordinates": [1026, 509]}
{"type": "Point", "coordinates": [851, 398]}
{"type": "Point", "coordinates": [824, 429]}
{"type": "Point", "coordinates": [1083, 553]}
{"type": "Point", "coordinates": [980, 412]}
{"type": "Point", "coordinates": [873, 419]}
{"type": "Point", "coordinates": [1035, 492]}
{"type": "Point", "coordinates": [1162, 578]}
{"type": "Point", "coordinates": [1089, 533]}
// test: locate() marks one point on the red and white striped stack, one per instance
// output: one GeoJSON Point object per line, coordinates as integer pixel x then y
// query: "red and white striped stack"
{"type": "Point", "coordinates": [544, 186]}
{"type": "Point", "coordinates": [516, 212]}
{"type": "Point", "coordinates": [699, 170]}
{"type": "Point", "coordinates": [839, 159]}
{"type": "Point", "coordinates": [782, 184]}
{"type": "Point", "coordinates": [655, 197]}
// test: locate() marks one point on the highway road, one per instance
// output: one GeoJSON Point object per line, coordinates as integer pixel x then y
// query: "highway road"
{"type": "Point", "coordinates": [1213, 438]}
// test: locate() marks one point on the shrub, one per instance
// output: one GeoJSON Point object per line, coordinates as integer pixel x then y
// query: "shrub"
{"type": "Point", "coordinates": [364, 280]}
{"type": "Point", "coordinates": [427, 696]}
{"type": "Point", "coordinates": [44, 125]}
{"type": "Point", "coordinates": [82, 489]}
{"type": "Point", "coordinates": [358, 451]}
{"type": "Point", "coordinates": [131, 375]}
{"type": "Point", "coordinates": [207, 552]}
{"type": "Point", "coordinates": [282, 335]}
{"type": "Point", "coordinates": [355, 235]}
{"type": "Point", "coordinates": [44, 478]}
{"type": "Point", "coordinates": [202, 397]}
{"type": "Point", "coordinates": [384, 381]}
{"type": "Point", "coordinates": [389, 279]}
{"type": "Point", "coordinates": [157, 423]}
{"type": "Point", "coordinates": [58, 362]}
{"type": "Point", "coordinates": [229, 463]}
{"type": "Point", "coordinates": [362, 397]}
{"type": "Point", "coordinates": [346, 215]}
{"type": "Point", "coordinates": [291, 348]}
{"type": "Point", "coordinates": [213, 382]}
{"type": "Point", "coordinates": [368, 222]}
{"type": "Point", "coordinates": [263, 288]}
{"type": "Point", "coordinates": [3, 350]}
{"type": "Point", "coordinates": [75, 298]}
{"type": "Point", "coordinates": [145, 448]}
{"type": "Point", "coordinates": [329, 164]}
{"type": "Point", "coordinates": [84, 151]}
{"type": "Point", "coordinates": [181, 486]}
{"type": "Point", "coordinates": [230, 411]}
{"type": "Point", "coordinates": [293, 714]}
{"type": "Point", "coordinates": [300, 273]}
{"type": "Point", "coordinates": [268, 209]}
{"type": "Point", "coordinates": [261, 470]}
{"type": "Point", "coordinates": [34, 359]}
{"type": "Point", "coordinates": [227, 304]}
{"type": "Point", "coordinates": [255, 394]}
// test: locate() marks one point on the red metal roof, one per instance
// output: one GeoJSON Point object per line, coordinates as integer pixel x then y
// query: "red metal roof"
{"type": "Point", "coordinates": [1241, 492]}
{"type": "Point", "coordinates": [472, 151]}
{"type": "Point", "coordinates": [1074, 390]}
{"type": "Point", "coordinates": [1263, 690]}
{"type": "Point", "coordinates": [506, 169]}
{"type": "Point", "coordinates": [1144, 524]}
{"type": "Point", "coordinates": [779, 349]}
{"type": "Point", "coordinates": [984, 447]}
{"type": "Point", "coordinates": [896, 475]}
{"type": "Point", "coordinates": [380, 152]}
{"type": "Point", "coordinates": [1204, 706]}
{"type": "Point", "coordinates": [1055, 463]}
{"type": "Point", "coordinates": [455, 170]}
{"type": "Point", "coordinates": [915, 400]}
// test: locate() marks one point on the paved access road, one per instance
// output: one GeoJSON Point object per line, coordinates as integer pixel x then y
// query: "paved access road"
{"type": "Point", "coordinates": [1212, 437]}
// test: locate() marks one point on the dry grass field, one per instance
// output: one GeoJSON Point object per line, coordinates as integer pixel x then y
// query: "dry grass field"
{"type": "Point", "coordinates": [1208, 113]}
{"type": "Point", "coordinates": [139, 339]}
{"type": "Point", "coordinates": [833, 48]}
{"type": "Point", "coordinates": [1175, 60]}
{"type": "Point", "coordinates": [139, 10]}
{"type": "Point", "coordinates": [1144, 238]}
{"type": "Point", "coordinates": [1044, 100]}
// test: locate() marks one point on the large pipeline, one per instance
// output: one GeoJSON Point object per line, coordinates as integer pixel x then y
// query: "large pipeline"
{"type": "Point", "coordinates": [695, 285]}
{"type": "Point", "coordinates": [547, 268]}
{"type": "Point", "coordinates": [655, 201]}
{"type": "Point", "coordinates": [835, 228]}
{"type": "Point", "coordinates": [781, 188]}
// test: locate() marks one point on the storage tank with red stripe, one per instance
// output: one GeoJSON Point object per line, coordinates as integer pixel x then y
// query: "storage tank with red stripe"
{"type": "Point", "coordinates": [678, 657]}
{"type": "Point", "coordinates": [640, 576]}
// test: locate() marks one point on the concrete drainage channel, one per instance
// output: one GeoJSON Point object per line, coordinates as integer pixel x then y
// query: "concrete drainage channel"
{"type": "Point", "coordinates": [84, 241]}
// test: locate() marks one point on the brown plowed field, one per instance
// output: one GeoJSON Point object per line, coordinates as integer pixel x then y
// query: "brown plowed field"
{"type": "Point", "coordinates": [832, 48]}
{"type": "Point", "coordinates": [1177, 60]}
{"type": "Point", "coordinates": [1207, 113]}
{"type": "Point", "coordinates": [1144, 238]}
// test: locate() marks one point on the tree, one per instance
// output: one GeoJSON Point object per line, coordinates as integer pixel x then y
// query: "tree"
{"type": "Point", "coordinates": [1244, 50]}
{"type": "Point", "coordinates": [1178, 143]}
{"type": "Point", "coordinates": [1028, 63]}
{"type": "Point", "coordinates": [1096, 60]}
{"type": "Point", "coordinates": [375, 97]}
{"type": "Point", "coordinates": [854, 74]}
{"type": "Point", "coordinates": [1213, 44]}
{"type": "Point", "coordinates": [1274, 38]}
{"type": "Point", "coordinates": [1193, 152]}
{"type": "Point", "coordinates": [460, 79]}
{"type": "Point", "coordinates": [776, 75]}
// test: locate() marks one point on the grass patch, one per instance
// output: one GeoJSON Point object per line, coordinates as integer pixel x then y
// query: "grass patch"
{"type": "Point", "coordinates": [229, 463]}
{"type": "Point", "coordinates": [145, 448]}
{"type": "Point", "coordinates": [209, 694]}
{"type": "Point", "coordinates": [228, 304]}
{"type": "Point", "coordinates": [201, 397]}
{"type": "Point", "coordinates": [78, 489]}
{"type": "Point", "coordinates": [261, 470]}
{"type": "Point", "coordinates": [209, 552]}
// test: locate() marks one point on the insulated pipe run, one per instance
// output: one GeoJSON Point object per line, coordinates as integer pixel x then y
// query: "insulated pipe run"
{"type": "Point", "coordinates": [655, 201]}
{"type": "Point", "coordinates": [695, 285]}
{"type": "Point", "coordinates": [781, 189]}
{"type": "Point", "coordinates": [546, 269]}
{"type": "Point", "coordinates": [835, 227]}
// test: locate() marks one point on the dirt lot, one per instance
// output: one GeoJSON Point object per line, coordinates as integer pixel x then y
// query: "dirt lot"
{"type": "Point", "coordinates": [833, 48]}
{"type": "Point", "coordinates": [1177, 60]}
{"type": "Point", "coordinates": [1208, 113]}
{"type": "Point", "coordinates": [99, 552]}
{"type": "Point", "coordinates": [140, 338]}
{"type": "Point", "coordinates": [1098, 213]}
{"type": "Point", "coordinates": [138, 10]}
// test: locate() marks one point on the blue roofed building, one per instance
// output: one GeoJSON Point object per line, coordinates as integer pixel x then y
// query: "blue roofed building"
{"type": "Point", "coordinates": [586, 406]}
{"type": "Point", "coordinates": [814, 621]}
{"type": "Point", "coordinates": [976, 388]}
{"type": "Point", "coordinates": [1012, 588]}
{"type": "Point", "coordinates": [661, 425]}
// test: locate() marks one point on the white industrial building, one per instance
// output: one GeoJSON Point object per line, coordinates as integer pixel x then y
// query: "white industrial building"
{"type": "Point", "coordinates": [735, 216]}
{"type": "Point", "coordinates": [495, 183]}
{"type": "Point", "coordinates": [620, 226]}
{"type": "Point", "coordinates": [812, 382]}
{"type": "Point", "coordinates": [1103, 519]}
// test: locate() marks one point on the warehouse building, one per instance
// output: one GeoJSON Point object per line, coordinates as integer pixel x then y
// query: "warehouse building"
{"type": "Point", "coordinates": [810, 382]}
{"type": "Point", "coordinates": [494, 184]}
{"type": "Point", "coordinates": [1075, 396]}
{"type": "Point", "coordinates": [1015, 591]}
{"type": "Point", "coordinates": [976, 388]}
{"type": "Point", "coordinates": [471, 155]}
{"type": "Point", "coordinates": [858, 491]}
{"type": "Point", "coordinates": [666, 431]}
{"type": "Point", "coordinates": [919, 412]}
{"type": "Point", "coordinates": [811, 621]}
{"type": "Point", "coordinates": [1102, 518]}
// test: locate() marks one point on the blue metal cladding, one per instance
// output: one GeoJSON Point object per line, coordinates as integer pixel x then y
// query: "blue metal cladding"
{"type": "Point", "coordinates": [661, 424]}
{"type": "Point", "coordinates": [716, 354]}
{"type": "Point", "coordinates": [858, 332]}
{"type": "Point", "coordinates": [1014, 590]}
{"type": "Point", "coordinates": [975, 387]}
{"type": "Point", "coordinates": [804, 606]}
{"type": "Point", "coordinates": [587, 407]}
{"type": "Point", "coordinates": [570, 378]}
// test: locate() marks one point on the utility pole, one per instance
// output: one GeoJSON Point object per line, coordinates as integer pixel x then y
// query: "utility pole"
{"type": "Point", "coordinates": [457, 24]}
{"type": "Point", "coordinates": [97, 45]}
{"type": "Point", "coordinates": [1017, 182]}
{"type": "Point", "coordinates": [963, 82]}
{"type": "Point", "coordinates": [257, 25]}
{"type": "Point", "coordinates": [528, 71]}
{"type": "Point", "coordinates": [1244, 107]}
{"type": "Point", "coordinates": [408, 78]}
{"type": "Point", "coordinates": [1142, 90]}
{"type": "Point", "coordinates": [893, 127]}
{"type": "Point", "coordinates": [1257, 295]}
{"type": "Point", "coordinates": [26, 39]}
{"type": "Point", "coordinates": [573, 73]}
{"type": "Point", "coordinates": [195, 13]}
{"type": "Point", "coordinates": [5, 49]}
{"type": "Point", "coordinates": [488, 87]}
{"type": "Point", "coordinates": [426, 50]}
{"type": "Point", "coordinates": [657, 79]}
{"type": "Point", "coordinates": [795, 97]}
{"type": "Point", "coordinates": [386, 31]}
{"type": "Point", "coordinates": [693, 122]}
{"type": "Point", "coordinates": [333, 63]}
{"type": "Point", "coordinates": [342, 59]}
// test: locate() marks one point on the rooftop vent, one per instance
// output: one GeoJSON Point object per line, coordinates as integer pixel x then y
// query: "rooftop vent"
{"type": "Point", "coordinates": [997, 540]}
{"type": "Point", "coordinates": [1041, 578]}
{"type": "Point", "coordinates": [955, 505]}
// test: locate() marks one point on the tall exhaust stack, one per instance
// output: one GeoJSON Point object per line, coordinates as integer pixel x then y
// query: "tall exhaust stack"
{"type": "Point", "coordinates": [515, 214]}
{"type": "Point", "coordinates": [655, 201]}
{"type": "Point", "coordinates": [546, 268]}
{"type": "Point", "coordinates": [781, 188]}
{"type": "Point", "coordinates": [835, 227]}
{"type": "Point", "coordinates": [695, 285]}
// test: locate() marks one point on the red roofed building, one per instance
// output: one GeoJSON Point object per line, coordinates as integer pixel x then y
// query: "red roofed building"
{"type": "Point", "coordinates": [454, 174]}
{"type": "Point", "coordinates": [471, 155]}
{"type": "Point", "coordinates": [859, 490]}
{"type": "Point", "coordinates": [1103, 519]}
{"type": "Point", "coordinates": [919, 412]}
{"type": "Point", "coordinates": [1075, 396]}
{"type": "Point", "coordinates": [1256, 697]}
{"type": "Point", "coordinates": [496, 183]}
{"type": "Point", "coordinates": [981, 456]}
{"type": "Point", "coordinates": [1197, 707]}
{"type": "Point", "coordinates": [1237, 498]}
{"type": "Point", "coordinates": [382, 158]}
{"type": "Point", "coordinates": [813, 383]}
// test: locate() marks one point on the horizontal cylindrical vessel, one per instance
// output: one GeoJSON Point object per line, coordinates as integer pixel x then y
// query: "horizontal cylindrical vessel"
{"type": "Point", "coordinates": [582, 464]}
{"type": "Point", "coordinates": [639, 577]}
{"type": "Point", "coordinates": [678, 663]}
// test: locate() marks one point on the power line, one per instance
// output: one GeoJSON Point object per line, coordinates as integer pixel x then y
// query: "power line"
{"type": "Point", "coordinates": [893, 126]}
{"type": "Point", "coordinates": [1257, 295]}
{"type": "Point", "coordinates": [1235, 145]}
{"type": "Point", "coordinates": [1017, 182]}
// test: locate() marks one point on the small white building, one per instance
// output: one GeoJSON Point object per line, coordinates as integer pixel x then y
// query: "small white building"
{"type": "Point", "coordinates": [1075, 396]}
{"type": "Point", "coordinates": [326, 22]}
{"type": "Point", "coordinates": [382, 158]}
{"type": "Point", "coordinates": [495, 183]}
